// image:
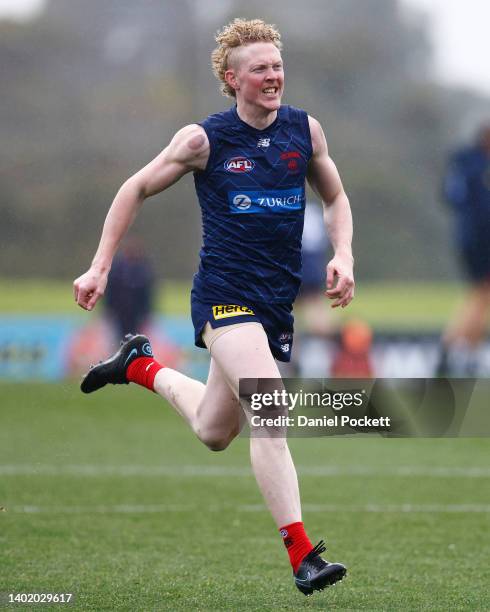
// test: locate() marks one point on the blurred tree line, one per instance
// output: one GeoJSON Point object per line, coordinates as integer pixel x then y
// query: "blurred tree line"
{"type": "Point", "coordinates": [93, 90]}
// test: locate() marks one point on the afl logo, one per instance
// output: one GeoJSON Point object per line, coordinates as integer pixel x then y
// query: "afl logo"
{"type": "Point", "coordinates": [242, 202]}
{"type": "Point", "coordinates": [239, 165]}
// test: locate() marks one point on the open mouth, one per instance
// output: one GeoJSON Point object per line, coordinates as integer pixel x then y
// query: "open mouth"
{"type": "Point", "coordinates": [271, 91]}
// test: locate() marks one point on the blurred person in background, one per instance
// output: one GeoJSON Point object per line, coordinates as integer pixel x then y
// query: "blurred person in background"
{"type": "Point", "coordinates": [129, 294]}
{"type": "Point", "coordinates": [467, 191]}
{"type": "Point", "coordinates": [353, 357]}
{"type": "Point", "coordinates": [250, 164]}
{"type": "Point", "coordinates": [129, 302]}
{"type": "Point", "coordinates": [314, 322]}
{"type": "Point", "coordinates": [314, 315]}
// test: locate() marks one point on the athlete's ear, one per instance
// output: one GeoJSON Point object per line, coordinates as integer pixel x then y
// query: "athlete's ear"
{"type": "Point", "coordinates": [231, 79]}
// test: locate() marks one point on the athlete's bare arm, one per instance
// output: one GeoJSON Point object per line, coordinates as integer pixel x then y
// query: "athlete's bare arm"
{"type": "Point", "coordinates": [325, 181]}
{"type": "Point", "coordinates": [188, 151]}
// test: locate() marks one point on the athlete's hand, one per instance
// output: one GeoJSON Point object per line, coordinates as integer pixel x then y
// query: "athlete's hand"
{"type": "Point", "coordinates": [340, 280]}
{"type": "Point", "coordinates": [89, 287]}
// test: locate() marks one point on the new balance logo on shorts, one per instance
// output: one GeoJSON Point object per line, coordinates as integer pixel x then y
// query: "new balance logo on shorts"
{"type": "Point", "coordinates": [230, 310]}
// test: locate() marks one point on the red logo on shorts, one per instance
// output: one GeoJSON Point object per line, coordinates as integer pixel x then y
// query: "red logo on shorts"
{"type": "Point", "coordinates": [239, 165]}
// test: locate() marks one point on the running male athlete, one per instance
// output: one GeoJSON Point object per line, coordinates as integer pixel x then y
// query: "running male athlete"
{"type": "Point", "coordinates": [250, 164]}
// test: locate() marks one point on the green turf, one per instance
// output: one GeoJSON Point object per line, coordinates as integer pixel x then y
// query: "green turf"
{"type": "Point", "coordinates": [38, 296]}
{"type": "Point", "coordinates": [191, 540]}
{"type": "Point", "coordinates": [384, 305]}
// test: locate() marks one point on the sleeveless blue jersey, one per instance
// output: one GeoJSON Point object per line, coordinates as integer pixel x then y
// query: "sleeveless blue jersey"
{"type": "Point", "coordinates": [252, 198]}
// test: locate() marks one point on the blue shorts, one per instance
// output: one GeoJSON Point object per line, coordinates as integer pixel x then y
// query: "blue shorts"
{"type": "Point", "coordinates": [276, 319]}
{"type": "Point", "coordinates": [476, 260]}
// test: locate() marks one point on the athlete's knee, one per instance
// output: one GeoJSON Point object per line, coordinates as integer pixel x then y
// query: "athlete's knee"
{"type": "Point", "coordinates": [215, 440]}
{"type": "Point", "coordinates": [218, 438]}
{"type": "Point", "coordinates": [217, 445]}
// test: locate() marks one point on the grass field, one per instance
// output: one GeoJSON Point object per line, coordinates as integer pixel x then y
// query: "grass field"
{"type": "Point", "coordinates": [111, 498]}
{"type": "Point", "coordinates": [383, 305]}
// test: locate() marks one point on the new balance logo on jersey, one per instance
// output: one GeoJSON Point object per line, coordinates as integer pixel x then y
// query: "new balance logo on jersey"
{"type": "Point", "coordinates": [264, 143]}
{"type": "Point", "coordinates": [239, 165]}
{"type": "Point", "coordinates": [225, 311]}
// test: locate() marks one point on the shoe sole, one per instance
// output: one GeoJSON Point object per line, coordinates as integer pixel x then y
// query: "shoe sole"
{"type": "Point", "coordinates": [90, 382]}
{"type": "Point", "coordinates": [323, 582]}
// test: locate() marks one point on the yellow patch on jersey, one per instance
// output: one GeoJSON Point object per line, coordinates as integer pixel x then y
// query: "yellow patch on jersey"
{"type": "Point", "coordinates": [225, 311]}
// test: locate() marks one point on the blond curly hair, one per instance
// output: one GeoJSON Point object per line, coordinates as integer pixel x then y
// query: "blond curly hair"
{"type": "Point", "coordinates": [237, 33]}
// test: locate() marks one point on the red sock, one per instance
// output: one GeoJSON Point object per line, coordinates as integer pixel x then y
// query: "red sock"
{"type": "Point", "coordinates": [143, 371]}
{"type": "Point", "coordinates": [296, 542]}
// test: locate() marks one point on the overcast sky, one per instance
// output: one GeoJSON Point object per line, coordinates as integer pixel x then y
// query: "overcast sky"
{"type": "Point", "coordinates": [459, 31]}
